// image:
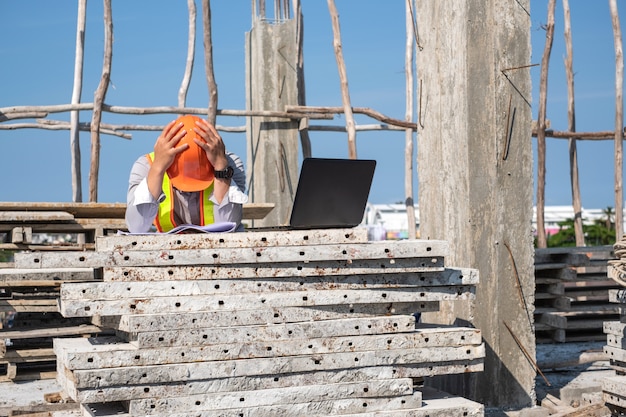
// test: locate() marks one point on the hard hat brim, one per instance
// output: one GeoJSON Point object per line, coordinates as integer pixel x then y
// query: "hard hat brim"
{"type": "Point", "coordinates": [190, 184]}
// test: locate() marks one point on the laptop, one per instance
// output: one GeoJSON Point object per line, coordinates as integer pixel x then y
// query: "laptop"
{"type": "Point", "coordinates": [331, 193]}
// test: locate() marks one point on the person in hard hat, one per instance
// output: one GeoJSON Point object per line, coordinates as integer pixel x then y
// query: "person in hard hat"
{"type": "Point", "coordinates": [189, 178]}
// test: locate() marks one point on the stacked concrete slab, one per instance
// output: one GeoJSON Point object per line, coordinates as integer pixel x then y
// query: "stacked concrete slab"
{"type": "Point", "coordinates": [294, 323]}
{"type": "Point", "coordinates": [614, 388]}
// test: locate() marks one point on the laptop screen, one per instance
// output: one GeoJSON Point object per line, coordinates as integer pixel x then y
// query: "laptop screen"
{"type": "Point", "coordinates": [331, 193]}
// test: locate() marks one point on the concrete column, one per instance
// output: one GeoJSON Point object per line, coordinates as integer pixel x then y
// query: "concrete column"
{"type": "Point", "coordinates": [271, 77]}
{"type": "Point", "coordinates": [475, 178]}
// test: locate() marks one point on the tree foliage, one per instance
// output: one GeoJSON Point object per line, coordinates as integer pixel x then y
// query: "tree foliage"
{"type": "Point", "coordinates": [599, 233]}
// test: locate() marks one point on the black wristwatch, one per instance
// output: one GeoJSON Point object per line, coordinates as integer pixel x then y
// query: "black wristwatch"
{"type": "Point", "coordinates": [225, 174]}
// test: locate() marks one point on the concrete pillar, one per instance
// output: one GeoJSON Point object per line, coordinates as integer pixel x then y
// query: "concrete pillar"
{"type": "Point", "coordinates": [271, 76]}
{"type": "Point", "coordinates": [475, 178]}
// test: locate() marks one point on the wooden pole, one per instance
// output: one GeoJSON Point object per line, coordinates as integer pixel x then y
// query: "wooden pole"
{"type": "Point", "coordinates": [408, 147]}
{"type": "Point", "coordinates": [208, 62]}
{"type": "Point", "coordinates": [345, 93]}
{"type": "Point", "coordinates": [571, 118]}
{"type": "Point", "coordinates": [619, 120]}
{"type": "Point", "coordinates": [541, 129]}
{"type": "Point", "coordinates": [305, 140]}
{"type": "Point", "coordinates": [99, 100]}
{"type": "Point", "coordinates": [77, 193]}
{"type": "Point", "coordinates": [599, 135]}
{"type": "Point", "coordinates": [191, 48]}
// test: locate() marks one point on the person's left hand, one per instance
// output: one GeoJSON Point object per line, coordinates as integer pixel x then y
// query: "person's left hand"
{"type": "Point", "coordinates": [212, 144]}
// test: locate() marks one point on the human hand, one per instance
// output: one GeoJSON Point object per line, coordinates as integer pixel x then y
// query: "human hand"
{"type": "Point", "coordinates": [165, 149]}
{"type": "Point", "coordinates": [212, 144]}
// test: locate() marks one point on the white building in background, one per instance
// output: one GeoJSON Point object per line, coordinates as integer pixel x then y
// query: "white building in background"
{"type": "Point", "coordinates": [553, 215]}
{"type": "Point", "coordinates": [389, 221]}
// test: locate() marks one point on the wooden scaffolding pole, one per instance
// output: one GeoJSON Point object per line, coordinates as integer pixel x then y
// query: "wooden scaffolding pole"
{"type": "Point", "coordinates": [409, 67]}
{"type": "Point", "coordinates": [541, 129]}
{"type": "Point", "coordinates": [77, 193]}
{"type": "Point", "coordinates": [343, 77]}
{"type": "Point", "coordinates": [303, 128]}
{"type": "Point", "coordinates": [191, 48]}
{"type": "Point", "coordinates": [208, 61]}
{"type": "Point", "coordinates": [99, 100]}
{"type": "Point", "coordinates": [571, 118]}
{"type": "Point", "coordinates": [619, 121]}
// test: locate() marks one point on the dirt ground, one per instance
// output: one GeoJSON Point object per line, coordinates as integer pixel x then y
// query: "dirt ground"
{"type": "Point", "coordinates": [570, 369]}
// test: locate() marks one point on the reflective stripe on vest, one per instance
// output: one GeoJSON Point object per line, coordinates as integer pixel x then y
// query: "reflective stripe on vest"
{"type": "Point", "coordinates": [164, 220]}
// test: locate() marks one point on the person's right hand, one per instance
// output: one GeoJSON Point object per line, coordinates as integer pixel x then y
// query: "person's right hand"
{"type": "Point", "coordinates": [165, 149]}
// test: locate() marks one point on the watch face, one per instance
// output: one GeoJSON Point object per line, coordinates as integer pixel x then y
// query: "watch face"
{"type": "Point", "coordinates": [225, 173]}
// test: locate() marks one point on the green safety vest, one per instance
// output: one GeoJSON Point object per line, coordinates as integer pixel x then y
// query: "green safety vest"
{"type": "Point", "coordinates": [164, 220]}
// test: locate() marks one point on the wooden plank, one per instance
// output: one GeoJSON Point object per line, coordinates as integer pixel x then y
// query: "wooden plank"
{"type": "Point", "coordinates": [561, 274]}
{"type": "Point", "coordinates": [34, 216]}
{"type": "Point", "coordinates": [10, 371]}
{"type": "Point", "coordinates": [46, 247]}
{"type": "Point", "coordinates": [577, 320]}
{"type": "Point", "coordinates": [76, 226]}
{"type": "Point", "coordinates": [56, 275]}
{"type": "Point", "coordinates": [231, 240]}
{"type": "Point", "coordinates": [217, 287]}
{"type": "Point", "coordinates": [50, 285]}
{"type": "Point", "coordinates": [107, 352]}
{"type": "Point", "coordinates": [580, 284]}
{"type": "Point", "coordinates": [112, 210]}
{"type": "Point", "coordinates": [552, 267]}
{"type": "Point", "coordinates": [428, 275]}
{"type": "Point", "coordinates": [569, 256]}
{"type": "Point", "coordinates": [77, 209]}
{"type": "Point", "coordinates": [168, 373]}
{"type": "Point", "coordinates": [22, 306]}
{"type": "Point", "coordinates": [423, 252]}
{"type": "Point", "coordinates": [50, 332]}
{"type": "Point", "coordinates": [256, 211]}
{"type": "Point", "coordinates": [175, 304]}
{"type": "Point", "coordinates": [26, 355]}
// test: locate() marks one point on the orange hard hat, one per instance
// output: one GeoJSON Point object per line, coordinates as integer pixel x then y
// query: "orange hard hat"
{"type": "Point", "coordinates": [191, 170]}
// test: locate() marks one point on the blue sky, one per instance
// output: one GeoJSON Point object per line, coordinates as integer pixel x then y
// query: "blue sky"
{"type": "Point", "coordinates": [150, 41]}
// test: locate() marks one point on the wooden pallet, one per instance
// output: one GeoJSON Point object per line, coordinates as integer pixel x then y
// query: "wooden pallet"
{"type": "Point", "coordinates": [572, 294]}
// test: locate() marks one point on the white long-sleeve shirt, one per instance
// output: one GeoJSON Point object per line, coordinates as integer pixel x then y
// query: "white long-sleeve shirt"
{"type": "Point", "coordinates": [142, 208]}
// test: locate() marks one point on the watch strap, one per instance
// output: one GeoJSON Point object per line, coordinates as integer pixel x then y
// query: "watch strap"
{"type": "Point", "coordinates": [225, 174]}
